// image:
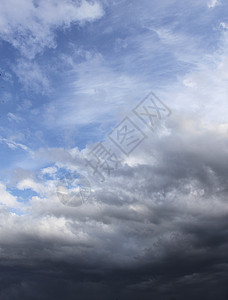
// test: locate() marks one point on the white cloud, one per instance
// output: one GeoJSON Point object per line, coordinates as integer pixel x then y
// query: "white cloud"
{"type": "Point", "coordinates": [31, 75]}
{"type": "Point", "coordinates": [13, 117]}
{"type": "Point", "coordinates": [213, 3]}
{"type": "Point", "coordinates": [41, 188]}
{"type": "Point", "coordinates": [29, 26]}
{"type": "Point", "coordinates": [6, 198]}
{"type": "Point", "coordinates": [49, 170]}
{"type": "Point", "coordinates": [94, 96]}
{"type": "Point", "coordinates": [224, 25]}
{"type": "Point", "coordinates": [13, 145]}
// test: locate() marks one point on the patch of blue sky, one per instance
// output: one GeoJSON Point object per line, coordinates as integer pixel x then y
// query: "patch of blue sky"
{"type": "Point", "coordinates": [64, 174]}
{"type": "Point", "coordinates": [23, 195]}
{"type": "Point", "coordinates": [9, 157]}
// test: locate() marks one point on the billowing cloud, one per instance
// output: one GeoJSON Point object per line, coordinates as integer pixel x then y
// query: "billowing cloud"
{"type": "Point", "coordinates": [147, 217]}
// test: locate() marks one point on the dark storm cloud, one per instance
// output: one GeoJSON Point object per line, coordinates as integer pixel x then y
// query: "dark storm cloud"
{"type": "Point", "coordinates": [154, 230]}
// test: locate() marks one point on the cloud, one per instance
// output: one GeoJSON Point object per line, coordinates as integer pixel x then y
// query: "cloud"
{"type": "Point", "coordinates": [213, 3]}
{"type": "Point", "coordinates": [13, 145]}
{"type": "Point", "coordinates": [30, 25]}
{"type": "Point", "coordinates": [30, 184]}
{"type": "Point", "coordinates": [49, 170]}
{"type": "Point", "coordinates": [31, 76]}
{"type": "Point", "coordinates": [13, 117]}
{"type": "Point", "coordinates": [93, 96]}
{"type": "Point", "coordinates": [6, 198]}
{"type": "Point", "coordinates": [145, 218]}
{"type": "Point", "coordinates": [224, 25]}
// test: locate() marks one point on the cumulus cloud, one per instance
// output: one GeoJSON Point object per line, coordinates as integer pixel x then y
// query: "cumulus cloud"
{"type": "Point", "coordinates": [6, 198]}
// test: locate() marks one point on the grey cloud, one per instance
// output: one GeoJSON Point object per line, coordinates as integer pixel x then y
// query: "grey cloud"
{"type": "Point", "coordinates": [152, 230]}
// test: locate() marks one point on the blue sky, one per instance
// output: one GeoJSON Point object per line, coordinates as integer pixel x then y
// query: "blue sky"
{"type": "Point", "coordinates": [80, 71]}
{"type": "Point", "coordinates": [71, 71]}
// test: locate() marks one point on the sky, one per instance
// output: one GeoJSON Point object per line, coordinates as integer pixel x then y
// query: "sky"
{"type": "Point", "coordinates": [114, 149]}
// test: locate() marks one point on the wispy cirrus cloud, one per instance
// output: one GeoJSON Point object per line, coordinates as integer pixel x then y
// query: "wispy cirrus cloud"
{"type": "Point", "coordinates": [13, 145]}
{"type": "Point", "coordinates": [32, 76]}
